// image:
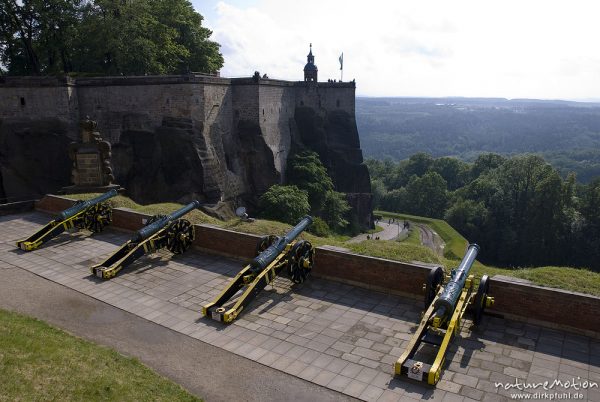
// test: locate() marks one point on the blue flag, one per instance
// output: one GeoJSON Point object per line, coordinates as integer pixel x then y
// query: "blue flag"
{"type": "Point", "coordinates": [342, 61]}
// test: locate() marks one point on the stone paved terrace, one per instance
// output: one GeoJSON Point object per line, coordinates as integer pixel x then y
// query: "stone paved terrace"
{"type": "Point", "coordinates": [332, 334]}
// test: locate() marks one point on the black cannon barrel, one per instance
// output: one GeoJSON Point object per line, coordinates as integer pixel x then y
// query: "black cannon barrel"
{"type": "Point", "coordinates": [267, 256]}
{"type": "Point", "coordinates": [75, 209]}
{"type": "Point", "coordinates": [444, 304]}
{"type": "Point", "coordinates": [154, 227]}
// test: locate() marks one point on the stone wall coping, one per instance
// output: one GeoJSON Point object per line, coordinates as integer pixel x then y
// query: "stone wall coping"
{"type": "Point", "coordinates": [518, 283]}
{"type": "Point", "coordinates": [35, 81]}
{"type": "Point", "coordinates": [341, 250]}
{"type": "Point", "coordinates": [151, 80]}
{"type": "Point", "coordinates": [57, 81]}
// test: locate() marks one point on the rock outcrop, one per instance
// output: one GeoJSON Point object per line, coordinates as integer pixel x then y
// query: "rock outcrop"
{"type": "Point", "coordinates": [33, 158]}
{"type": "Point", "coordinates": [333, 135]}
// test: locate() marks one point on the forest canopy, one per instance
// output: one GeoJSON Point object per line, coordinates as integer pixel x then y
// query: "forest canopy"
{"type": "Point", "coordinates": [519, 209]}
{"type": "Point", "coordinates": [566, 134]}
{"type": "Point", "coordinates": [104, 37]}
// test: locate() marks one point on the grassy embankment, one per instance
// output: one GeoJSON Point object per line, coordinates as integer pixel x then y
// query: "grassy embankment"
{"type": "Point", "coordinates": [575, 279]}
{"type": "Point", "coordinates": [39, 362]}
{"type": "Point", "coordinates": [580, 280]}
{"type": "Point", "coordinates": [455, 243]}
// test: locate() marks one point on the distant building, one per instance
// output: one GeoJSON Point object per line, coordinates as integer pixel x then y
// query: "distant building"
{"type": "Point", "coordinates": [310, 69]}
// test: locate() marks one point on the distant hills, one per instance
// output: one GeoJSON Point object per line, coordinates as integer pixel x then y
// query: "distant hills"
{"type": "Point", "coordinates": [565, 133]}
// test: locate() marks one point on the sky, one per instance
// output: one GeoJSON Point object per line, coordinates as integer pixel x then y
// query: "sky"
{"type": "Point", "coordinates": [477, 48]}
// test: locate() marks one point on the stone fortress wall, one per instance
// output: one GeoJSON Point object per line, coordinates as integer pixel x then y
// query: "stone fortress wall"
{"type": "Point", "coordinates": [42, 97]}
{"type": "Point", "coordinates": [237, 132]}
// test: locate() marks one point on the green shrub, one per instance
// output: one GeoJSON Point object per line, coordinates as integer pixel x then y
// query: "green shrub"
{"type": "Point", "coordinates": [306, 171]}
{"type": "Point", "coordinates": [286, 204]}
{"type": "Point", "coordinates": [319, 227]}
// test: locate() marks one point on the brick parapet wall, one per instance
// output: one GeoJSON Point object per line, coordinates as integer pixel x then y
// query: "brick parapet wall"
{"type": "Point", "coordinates": [525, 302]}
{"type": "Point", "coordinates": [371, 272]}
{"type": "Point", "coordinates": [552, 307]}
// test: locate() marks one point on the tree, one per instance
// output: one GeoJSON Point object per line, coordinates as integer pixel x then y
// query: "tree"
{"type": "Point", "coordinates": [378, 190]}
{"type": "Point", "coordinates": [427, 195]}
{"type": "Point", "coordinates": [486, 162]}
{"type": "Point", "coordinates": [468, 217]}
{"type": "Point", "coordinates": [202, 53]}
{"type": "Point", "coordinates": [518, 209]}
{"type": "Point", "coordinates": [590, 212]}
{"type": "Point", "coordinates": [418, 164]}
{"type": "Point", "coordinates": [306, 171]}
{"type": "Point", "coordinates": [286, 204]}
{"type": "Point", "coordinates": [395, 200]}
{"type": "Point", "coordinates": [454, 171]}
{"type": "Point", "coordinates": [20, 27]}
{"type": "Point", "coordinates": [547, 234]}
{"type": "Point", "coordinates": [133, 37]}
{"type": "Point", "coordinates": [335, 209]}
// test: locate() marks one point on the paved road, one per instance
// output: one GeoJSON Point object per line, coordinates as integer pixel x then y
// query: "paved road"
{"type": "Point", "coordinates": [205, 370]}
{"type": "Point", "coordinates": [389, 232]}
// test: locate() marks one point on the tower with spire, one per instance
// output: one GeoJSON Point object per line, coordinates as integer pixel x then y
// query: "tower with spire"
{"type": "Point", "coordinates": [310, 69]}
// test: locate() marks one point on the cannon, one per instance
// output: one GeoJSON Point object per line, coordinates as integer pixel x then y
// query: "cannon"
{"type": "Point", "coordinates": [273, 255]}
{"type": "Point", "coordinates": [168, 231]}
{"type": "Point", "coordinates": [445, 306]}
{"type": "Point", "coordinates": [92, 215]}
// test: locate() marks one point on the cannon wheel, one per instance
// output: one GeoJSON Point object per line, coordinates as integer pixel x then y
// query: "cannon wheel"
{"type": "Point", "coordinates": [264, 243]}
{"type": "Point", "coordinates": [480, 298]}
{"type": "Point", "coordinates": [300, 261]}
{"type": "Point", "coordinates": [435, 278]}
{"type": "Point", "coordinates": [180, 235]}
{"type": "Point", "coordinates": [96, 217]}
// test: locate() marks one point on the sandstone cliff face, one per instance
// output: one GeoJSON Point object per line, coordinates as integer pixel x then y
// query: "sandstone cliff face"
{"type": "Point", "coordinates": [33, 158]}
{"type": "Point", "coordinates": [175, 162]}
{"type": "Point", "coordinates": [334, 136]}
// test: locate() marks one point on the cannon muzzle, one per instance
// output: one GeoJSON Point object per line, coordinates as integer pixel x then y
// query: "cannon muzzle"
{"type": "Point", "coordinates": [267, 256]}
{"type": "Point", "coordinates": [154, 227]}
{"type": "Point", "coordinates": [77, 208]}
{"type": "Point", "coordinates": [444, 304]}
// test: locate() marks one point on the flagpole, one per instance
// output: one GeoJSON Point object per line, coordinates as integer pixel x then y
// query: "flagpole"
{"type": "Point", "coordinates": [341, 59]}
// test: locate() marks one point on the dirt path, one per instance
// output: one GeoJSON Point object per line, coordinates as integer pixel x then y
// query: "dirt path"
{"type": "Point", "coordinates": [429, 238]}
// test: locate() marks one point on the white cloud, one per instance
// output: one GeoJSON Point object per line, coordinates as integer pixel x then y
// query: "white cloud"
{"type": "Point", "coordinates": [510, 48]}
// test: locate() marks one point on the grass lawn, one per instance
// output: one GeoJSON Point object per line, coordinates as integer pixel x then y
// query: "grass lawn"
{"type": "Point", "coordinates": [39, 362]}
{"type": "Point", "coordinates": [376, 230]}
{"type": "Point", "coordinates": [394, 250]}
{"type": "Point", "coordinates": [575, 279]}
{"type": "Point", "coordinates": [413, 237]}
